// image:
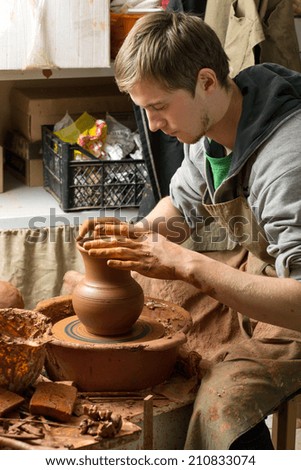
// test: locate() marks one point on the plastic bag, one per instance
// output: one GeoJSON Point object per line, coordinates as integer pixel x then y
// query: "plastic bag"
{"type": "Point", "coordinates": [64, 122]}
{"type": "Point", "coordinates": [72, 132]}
{"type": "Point", "coordinates": [120, 139]}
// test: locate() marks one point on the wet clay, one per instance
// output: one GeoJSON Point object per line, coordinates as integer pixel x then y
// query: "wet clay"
{"type": "Point", "coordinates": [107, 301]}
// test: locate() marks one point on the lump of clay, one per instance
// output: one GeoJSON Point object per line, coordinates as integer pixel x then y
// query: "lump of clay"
{"type": "Point", "coordinates": [10, 296]}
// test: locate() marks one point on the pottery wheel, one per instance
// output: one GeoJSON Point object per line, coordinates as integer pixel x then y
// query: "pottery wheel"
{"type": "Point", "coordinates": [72, 330]}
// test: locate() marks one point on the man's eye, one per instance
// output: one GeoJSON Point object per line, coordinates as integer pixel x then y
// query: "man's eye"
{"type": "Point", "coordinates": [158, 108]}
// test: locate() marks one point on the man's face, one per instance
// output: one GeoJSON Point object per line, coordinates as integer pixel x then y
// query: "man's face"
{"type": "Point", "coordinates": [176, 112]}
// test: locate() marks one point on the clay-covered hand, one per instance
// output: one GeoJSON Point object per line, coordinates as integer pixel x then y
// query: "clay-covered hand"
{"type": "Point", "coordinates": [99, 226]}
{"type": "Point", "coordinates": [151, 255]}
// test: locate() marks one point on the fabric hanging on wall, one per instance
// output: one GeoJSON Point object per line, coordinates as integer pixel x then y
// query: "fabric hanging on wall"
{"type": "Point", "coordinates": [35, 260]}
{"type": "Point", "coordinates": [266, 24]}
{"type": "Point", "coordinates": [281, 43]}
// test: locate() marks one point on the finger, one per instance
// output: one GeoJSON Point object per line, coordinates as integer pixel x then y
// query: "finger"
{"type": "Point", "coordinates": [90, 224]}
{"type": "Point", "coordinates": [99, 230]}
{"type": "Point", "coordinates": [113, 229]}
{"type": "Point", "coordinates": [114, 253]}
{"type": "Point", "coordinates": [137, 266]}
{"type": "Point", "coordinates": [111, 242]}
{"type": "Point", "coordinates": [138, 233]}
{"type": "Point", "coordinates": [124, 265]}
{"type": "Point", "coordinates": [86, 227]}
{"type": "Point", "coordinates": [123, 229]}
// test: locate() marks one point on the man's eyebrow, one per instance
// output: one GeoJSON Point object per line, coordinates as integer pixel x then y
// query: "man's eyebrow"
{"type": "Point", "coordinates": [151, 105]}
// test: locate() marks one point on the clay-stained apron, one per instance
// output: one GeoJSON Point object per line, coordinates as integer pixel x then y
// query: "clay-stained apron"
{"type": "Point", "coordinates": [256, 373]}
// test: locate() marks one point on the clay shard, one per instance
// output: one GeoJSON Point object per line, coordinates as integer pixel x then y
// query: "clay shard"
{"type": "Point", "coordinates": [100, 423]}
{"type": "Point", "coordinates": [9, 401]}
{"type": "Point", "coordinates": [54, 400]}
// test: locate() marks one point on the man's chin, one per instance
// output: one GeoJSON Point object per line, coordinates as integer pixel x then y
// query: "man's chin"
{"type": "Point", "coordinates": [189, 140]}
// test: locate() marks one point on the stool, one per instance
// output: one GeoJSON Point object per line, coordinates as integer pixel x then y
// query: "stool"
{"type": "Point", "coordinates": [284, 424]}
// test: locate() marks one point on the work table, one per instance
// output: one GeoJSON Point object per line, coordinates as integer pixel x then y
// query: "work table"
{"type": "Point", "coordinates": [153, 418]}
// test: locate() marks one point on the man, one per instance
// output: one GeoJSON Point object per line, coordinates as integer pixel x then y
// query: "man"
{"type": "Point", "coordinates": [241, 169]}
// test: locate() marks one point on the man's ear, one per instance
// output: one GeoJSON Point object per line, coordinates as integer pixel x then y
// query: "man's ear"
{"type": "Point", "coordinates": [207, 79]}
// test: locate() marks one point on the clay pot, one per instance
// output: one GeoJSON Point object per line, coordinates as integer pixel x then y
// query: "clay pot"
{"type": "Point", "coordinates": [107, 301]}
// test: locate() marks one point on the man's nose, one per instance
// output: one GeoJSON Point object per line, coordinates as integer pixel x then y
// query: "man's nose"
{"type": "Point", "coordinates": [155, 122]}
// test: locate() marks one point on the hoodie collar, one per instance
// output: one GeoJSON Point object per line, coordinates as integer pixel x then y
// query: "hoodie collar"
{"type": "Point", "coordinates": [270, 94]}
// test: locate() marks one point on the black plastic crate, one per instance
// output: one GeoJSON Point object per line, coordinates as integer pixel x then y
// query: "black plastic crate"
{"type": "Point", "coordinates": [91, 183]}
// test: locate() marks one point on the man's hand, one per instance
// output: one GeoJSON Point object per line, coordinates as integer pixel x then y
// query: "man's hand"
{"type": "Point", "coordinates": [150, 254]}
{"type": "Point", "coordinates": [100, 226]}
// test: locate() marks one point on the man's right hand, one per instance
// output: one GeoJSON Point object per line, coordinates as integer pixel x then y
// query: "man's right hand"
{"type": "Point", "coordinates": [99, 226]}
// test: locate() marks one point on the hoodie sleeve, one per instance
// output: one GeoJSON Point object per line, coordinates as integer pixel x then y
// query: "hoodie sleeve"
{"type": "Point", "coordinates": [275, 196]}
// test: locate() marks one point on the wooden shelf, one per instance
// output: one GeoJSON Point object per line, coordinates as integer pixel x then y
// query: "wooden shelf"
{"type": "Point", "coordinates": [62, 73]}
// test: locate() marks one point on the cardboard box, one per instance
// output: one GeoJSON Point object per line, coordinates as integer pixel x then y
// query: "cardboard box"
{"type": "Point", "coordinates": [33, 107]}
{"type": "Point", "coordinates": [19, 145]}
{"type": "Point", "coordinates": [54, 34]}
{"type": "Point", "coordinates": [30, 172]}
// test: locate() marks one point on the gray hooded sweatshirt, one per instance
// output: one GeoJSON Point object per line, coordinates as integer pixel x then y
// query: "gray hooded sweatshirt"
{"type": "Point", "coordinates": [265, 166]}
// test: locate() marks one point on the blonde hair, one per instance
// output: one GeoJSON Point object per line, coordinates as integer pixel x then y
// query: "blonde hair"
{"type": "Point", "coordinates": [171, 48]}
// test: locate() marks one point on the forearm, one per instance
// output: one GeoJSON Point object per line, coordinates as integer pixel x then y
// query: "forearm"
{"type": "Point", "coordinates": [271, 300]}
{"type": "Point", "coordinates": [166, 220]}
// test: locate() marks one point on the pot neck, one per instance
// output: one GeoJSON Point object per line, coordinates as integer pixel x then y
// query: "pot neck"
{"type": "Point", "coordinates": [96, 269]}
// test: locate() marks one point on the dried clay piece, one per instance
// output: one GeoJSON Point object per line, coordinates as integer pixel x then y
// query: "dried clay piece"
{"type": "Point", "coordinates": [100, 423]}
{"type": "Point", "coordinates": [55, 400]}
{"type": "Point", "coordinates": [9, 401]}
